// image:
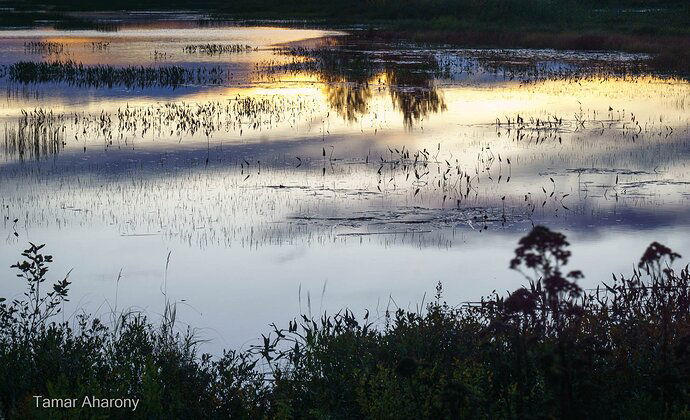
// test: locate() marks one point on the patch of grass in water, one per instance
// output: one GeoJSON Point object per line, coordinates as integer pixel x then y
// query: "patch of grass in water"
{"type": "Point", "coordinates": [78, 74]}
{"type": "Point", "coordinates": [218, 49]}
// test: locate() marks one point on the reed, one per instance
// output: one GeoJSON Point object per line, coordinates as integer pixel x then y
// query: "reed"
{"type": "Point", "coordinates": [218, 49]}
{"type": "Point", "coordinates": [77, 74]}
{"type": "Point", "coordinates": [44, 47]}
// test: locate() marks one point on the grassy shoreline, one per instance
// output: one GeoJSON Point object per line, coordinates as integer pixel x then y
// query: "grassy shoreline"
{"type": "Point", "coordinates": [548, 350]}
{"type": "Point", "coordinates": [628, 26]}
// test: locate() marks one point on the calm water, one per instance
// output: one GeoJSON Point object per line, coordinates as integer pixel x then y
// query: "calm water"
{"type": "Point", "coordinates": [308, 170]}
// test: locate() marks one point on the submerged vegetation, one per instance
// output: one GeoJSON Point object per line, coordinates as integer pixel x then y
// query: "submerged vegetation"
{"type": "Point", "coordinates": [549, 349]}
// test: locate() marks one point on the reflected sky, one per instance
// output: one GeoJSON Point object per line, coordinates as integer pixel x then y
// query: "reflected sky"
{"type": "Point", "coordinates": [326, 162]}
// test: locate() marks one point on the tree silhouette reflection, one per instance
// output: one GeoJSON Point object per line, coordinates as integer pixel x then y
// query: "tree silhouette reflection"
{"type": "Point", "coordinates": [351, 76]}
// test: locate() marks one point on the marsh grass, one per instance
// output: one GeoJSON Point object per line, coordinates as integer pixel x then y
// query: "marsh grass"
{"type": "Point", "coordinates": [549, 349]}
{"type": "Point", "coordinates": [77, 74]}
{"type": "Point", "coordinates": [218, 49]}
{"type": "Point", "coordinates": [44, 47]}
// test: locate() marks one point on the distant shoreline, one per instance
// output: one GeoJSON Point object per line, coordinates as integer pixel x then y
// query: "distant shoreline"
{"type": "Point", "coordinates": [649, 31]}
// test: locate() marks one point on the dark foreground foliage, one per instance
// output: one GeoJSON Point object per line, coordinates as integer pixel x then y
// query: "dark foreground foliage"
{"type": "Point", "coordinates": [548, 350]}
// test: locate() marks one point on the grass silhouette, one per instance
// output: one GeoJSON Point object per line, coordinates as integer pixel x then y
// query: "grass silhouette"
{"type": "Point", "coordinates": [549, 349]}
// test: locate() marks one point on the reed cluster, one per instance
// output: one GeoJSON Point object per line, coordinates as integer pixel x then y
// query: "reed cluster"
{"type": "Point", "coordinates": [77, 74]}
{"type": "Point", "coordinates": [44, 47]}
{"type": "Point", "coordinates": [217, 49]}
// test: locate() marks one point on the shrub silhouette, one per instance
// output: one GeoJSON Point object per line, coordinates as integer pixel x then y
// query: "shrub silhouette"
{"type": "Point", "coordinates": [549, 349]}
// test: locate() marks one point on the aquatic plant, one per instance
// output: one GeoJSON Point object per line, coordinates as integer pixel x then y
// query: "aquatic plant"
{"type": "Point", "coordinates": [44, 47]}
{"type": "Point", "coordinates": [99, 45]}
{"type": "Point", "coordinates": [77, 74]}
{"type": "Point", "coordinates": [218, 49]}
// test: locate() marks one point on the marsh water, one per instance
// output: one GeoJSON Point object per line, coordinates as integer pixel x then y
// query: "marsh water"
{"type": "Point", "coordinates": [288, 171]}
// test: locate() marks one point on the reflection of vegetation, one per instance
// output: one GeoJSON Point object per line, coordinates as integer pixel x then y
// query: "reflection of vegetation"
{"type": "Point", "coordinates": [417, 101]}
{"type": "Point", "coordinates": [348, 99]}
{"type": "Point", "coordinates": [30, 139]}
{"type": "Point", "coordinates": [416, 104]}
{"type": "Point", "coordinates": [547, 350]}
{"type": "Point", "coordinates": [351, 75]}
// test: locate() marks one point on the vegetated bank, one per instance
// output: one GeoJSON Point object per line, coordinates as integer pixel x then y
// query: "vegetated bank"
{"type": "Point", "coordinates": [659, 27]}
{"type": "Point", "coordinates": [549, 349]}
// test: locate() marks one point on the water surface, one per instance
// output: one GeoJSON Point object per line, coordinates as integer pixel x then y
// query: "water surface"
{"type": "Point", "coordinates": [316, 170]}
